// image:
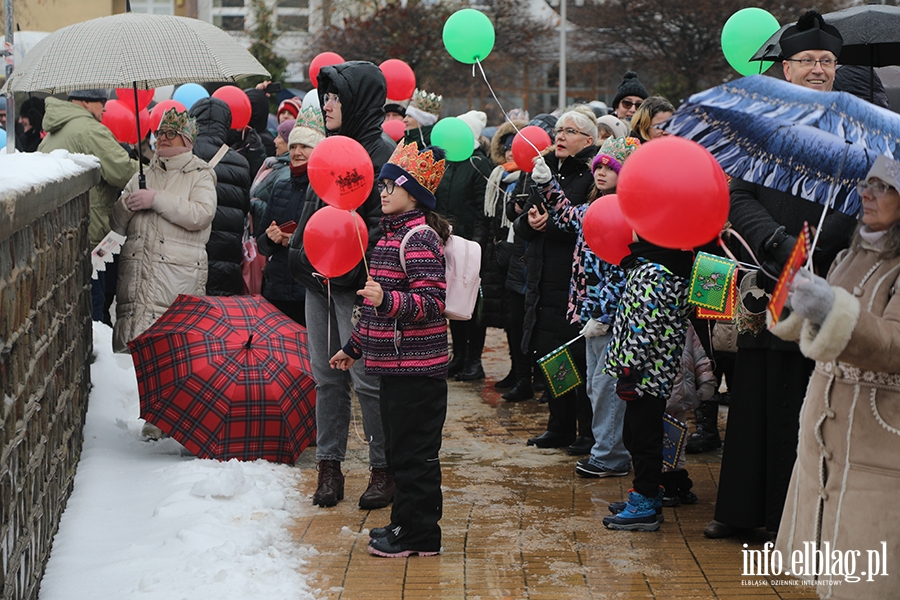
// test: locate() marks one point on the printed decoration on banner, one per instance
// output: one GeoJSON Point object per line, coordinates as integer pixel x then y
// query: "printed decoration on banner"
{"type": "Point", "coordinates": [674, 438]}
{"type": "Point", "coordinates": [560, 371]}
{"type": "Point", "coordinates": [730, 306]}
{"type": "Point", "coordinates": [711, 281]}
{"type": "Point", "coordinates": [799, 256]}
{"type": "Point", "coordinates": [104, 251]}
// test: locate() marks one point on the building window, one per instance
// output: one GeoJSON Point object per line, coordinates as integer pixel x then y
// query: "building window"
{"type": "Point", "coordinates": [154, 7]}
{"type": "Point", "coordinates": [293, 3]}
{"type": "Point", "coordinates": [292, 15]}
{"type": "Point", "coordinates": [229, 15]}
{"type": "Point", "coordinates": [228, 3]}
{"type": "Point", "coordinates": [229, 22]}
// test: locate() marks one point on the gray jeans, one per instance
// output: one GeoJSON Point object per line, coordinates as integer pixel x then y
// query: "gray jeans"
{"type": "Point", "coordinates": [333, 385]}
{"type": "Point", "coordinates": [609, 410]}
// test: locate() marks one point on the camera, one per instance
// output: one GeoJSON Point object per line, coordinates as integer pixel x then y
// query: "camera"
{"type": "Point", "coordinates": [273, 88]}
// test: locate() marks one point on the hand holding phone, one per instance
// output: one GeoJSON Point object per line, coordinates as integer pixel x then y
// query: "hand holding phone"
{"type": "Point", "coordinates": [288, 228]}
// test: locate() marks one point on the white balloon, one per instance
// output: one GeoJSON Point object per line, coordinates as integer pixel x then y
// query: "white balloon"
{"type": "Point", "coordinates": [311, 99]}
{"type": "Point", "coordinates": [163, 92]}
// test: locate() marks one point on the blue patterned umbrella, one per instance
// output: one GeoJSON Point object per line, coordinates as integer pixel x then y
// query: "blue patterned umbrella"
{"type": "Point", "coordinates": [813, 144]}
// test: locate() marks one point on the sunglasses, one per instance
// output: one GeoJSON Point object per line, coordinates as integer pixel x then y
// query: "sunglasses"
{"type": "Point", "coordinates": [627, 104]}
{"type": "Point", "coordinates": [878, 188]}
{"type": "Point", "coordinates": [168, 134]}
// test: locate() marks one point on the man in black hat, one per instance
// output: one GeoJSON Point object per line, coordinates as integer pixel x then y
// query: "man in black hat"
{"type": "Point", "coordinates": [394, 111]}
{"type": "Point", "coordinates": [771, 375]}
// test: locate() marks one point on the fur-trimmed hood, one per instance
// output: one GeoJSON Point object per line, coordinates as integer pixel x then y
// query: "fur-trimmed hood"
{"type": "Point", "coordinates": [497, 153]}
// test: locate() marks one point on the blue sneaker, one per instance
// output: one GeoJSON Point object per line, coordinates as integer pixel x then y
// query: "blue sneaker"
{"type": "Point", "coordinates": [617, 507]}
{"type": "Point", "coordinates": [639, 514]}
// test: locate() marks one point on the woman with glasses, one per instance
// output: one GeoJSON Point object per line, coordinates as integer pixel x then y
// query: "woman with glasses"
{"type": "Point", "coordinates": [646, 124]}
{"type": "Point", "coordinates": [846, 477]}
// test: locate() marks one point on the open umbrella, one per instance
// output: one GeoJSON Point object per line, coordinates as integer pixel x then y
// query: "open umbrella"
{"type": "Point", "coordinates": [228, 377]}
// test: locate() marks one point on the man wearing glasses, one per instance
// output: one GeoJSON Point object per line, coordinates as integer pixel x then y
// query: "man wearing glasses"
{"type": "Point", "coordinates": [771, 375]}
{"type": "Point", "coordinates": [75, 126]}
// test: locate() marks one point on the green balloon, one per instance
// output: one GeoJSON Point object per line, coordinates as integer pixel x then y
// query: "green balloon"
{"type": "Point", "coordinates": [469, 35]}
{"type": "Point", "coordinates": [454, 137]}
{"type": "Point", "coordinates": [744, 33]}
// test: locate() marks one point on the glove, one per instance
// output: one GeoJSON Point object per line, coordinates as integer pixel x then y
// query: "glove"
{"type": "Point", "coordinates": [140, 199]}
{"type": "Point", "coordinates": [594, 328]}
{"type": "Point", "coordinates": [626, 386]}
{"type": "Point", "coordinates": [541, 173]}
{"type": "Point", "coordinates": [811, 296]}
{"type": "Point", "coordinates": [706, 390]}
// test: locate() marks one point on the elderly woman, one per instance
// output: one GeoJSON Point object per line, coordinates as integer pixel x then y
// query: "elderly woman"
{"type": "Point", "coordinates": [846, 480]}
{"type": "Point", "coordinates": [645, 123]}
{"type": "Point", "coordinates": [167, 225]}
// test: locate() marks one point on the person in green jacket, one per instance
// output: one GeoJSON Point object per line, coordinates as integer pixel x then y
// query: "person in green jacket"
{"type": "Point", "coordinates": [75, 126]}
{"type": "Point", "coordinates": [423, 112]}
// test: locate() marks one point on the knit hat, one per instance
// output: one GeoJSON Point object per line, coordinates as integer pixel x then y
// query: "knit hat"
{"type": "Point", "coordinates": [33, 110]}
{"type": "Point", "coordinates": [810, 33]}
{"type": "Point", "coordinates": [614, 151]}
{"type": "Point", "coordinates": [94, 95]}
{"type": "Point", "coordinates": [630, 86]}
{"type": "Point", "coordinates": [285, 127]}
{"type": "Point", "coordinates": [309, 129]}
{"type": "Point", "coordinates": [417, 173]}
{"type": "Point", "coordinates": [887, 170]}
{"type": "Point", "coordinates": [476, 120]}
{"type": "Point", "coordinates": [619, 128]}
{"type": "Point", "coordinates": [181, 122]}
{"type": "Point", "coordinates": [393, 107]}
{"type": "Point", "coordinates": [425, 107]}
{"type": "Point", "coordinates": [517, 114]}
{"type": "Point", "coordinates": [292, 105]}
{"type": "Point", "coordinates": [545, 121]}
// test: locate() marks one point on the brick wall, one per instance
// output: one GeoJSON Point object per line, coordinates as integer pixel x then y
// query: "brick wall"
{"type": "Point", "coordinates": [45, 348]}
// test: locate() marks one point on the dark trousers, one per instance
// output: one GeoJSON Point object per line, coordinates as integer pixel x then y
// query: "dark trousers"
{"type": "Point", "coordinates": [98, 297]}
{"type": "Point", "coordinates": [295, 309]}
{"type": "Point", "coordinates": [468, 336]}
{"type": "Point", "coordinates": [522, 364]}
{"type": "Point", "coordinates": [761, 436]}
{"type": "Point", "coordinates": [413, 410]}
{"type": "Point", "coordinates": [643, 437]}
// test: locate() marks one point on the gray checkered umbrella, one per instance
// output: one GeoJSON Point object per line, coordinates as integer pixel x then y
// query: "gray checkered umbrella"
{"type": "Point", "coordinates": [132, 49]}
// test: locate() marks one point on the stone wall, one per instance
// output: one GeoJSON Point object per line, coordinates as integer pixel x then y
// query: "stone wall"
{"type": "Point", "coordinates": [45, 348]}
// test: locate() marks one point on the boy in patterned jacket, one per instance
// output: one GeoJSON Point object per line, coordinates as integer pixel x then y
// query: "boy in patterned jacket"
{"type": "Point", "coordinates": [644, 355]}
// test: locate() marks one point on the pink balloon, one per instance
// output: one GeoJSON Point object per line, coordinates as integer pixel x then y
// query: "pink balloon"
{"type": "Point", "coordinates": [605, 230]}
{"type": "Point", "coordinates": [395, 129]}
{"type": "Point", "coordinates": [401, 81]}
{"type": "Point", "coordinates": [324, 59]}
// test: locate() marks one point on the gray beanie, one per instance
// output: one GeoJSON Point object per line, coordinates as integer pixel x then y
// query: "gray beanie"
{"type": "Point", "coordinates": [94, 95]}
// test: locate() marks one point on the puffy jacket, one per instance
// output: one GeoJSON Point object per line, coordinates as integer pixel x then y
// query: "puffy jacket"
{"type": "Point", "coordinates": [232, 193]}
{"type": "Point", "coordinates": [71, 127]}
{"type": "Point", "coordinates": [285, 204]}
{"type": "Point", "coordinates": [274, 169]}
{"type": "Point", "coordinates": [259, 119]}
{"type": "Point", "coordinates": [165, 253]}
{"type": "Point", "coordinates": [362, 88]}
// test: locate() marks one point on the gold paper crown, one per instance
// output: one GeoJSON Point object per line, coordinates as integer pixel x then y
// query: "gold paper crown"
{"type": "Point", "coordinates": [421, 166]}
{"type": "Point", "coordinates": [180, 122]}
{"type": "Point", "coordinates": [311, 118]}
{"type": "Point", "coordinates": [426, 102]}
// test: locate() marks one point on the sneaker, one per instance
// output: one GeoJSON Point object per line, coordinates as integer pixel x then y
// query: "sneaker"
{"type": "Point", "coordinates": [639, 515]}
{"type": "Point", "coordinates": [584, 468]}
{"type": "Point", "coordinates": [617, 507]}
{"type": "Point", "coordinates": [382, 547]}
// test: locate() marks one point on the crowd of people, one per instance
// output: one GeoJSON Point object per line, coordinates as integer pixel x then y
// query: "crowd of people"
{"type": "Point", "coordinates": [806, 472]}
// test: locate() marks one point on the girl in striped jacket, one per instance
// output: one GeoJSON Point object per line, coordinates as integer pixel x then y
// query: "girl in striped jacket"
{"type": "Point", "coordinates": [402, 336]}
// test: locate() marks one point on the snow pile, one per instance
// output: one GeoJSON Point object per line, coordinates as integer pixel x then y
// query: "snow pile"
{"type": "Point", "coordinates": [22, 171]}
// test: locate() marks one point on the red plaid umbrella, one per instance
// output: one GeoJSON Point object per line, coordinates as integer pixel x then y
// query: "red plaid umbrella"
{"type": "Point", "coordinates": [228, 377]}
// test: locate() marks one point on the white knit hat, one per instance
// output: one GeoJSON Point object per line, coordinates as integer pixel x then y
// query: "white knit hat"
{"type": "Point", "coordinates": [619, 128]}
{"type": "Point", "coordinates": [477, 121]}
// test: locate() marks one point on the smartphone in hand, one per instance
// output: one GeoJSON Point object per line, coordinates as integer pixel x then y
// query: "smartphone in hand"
{"type": "Point", "coordinates": [288, 228]}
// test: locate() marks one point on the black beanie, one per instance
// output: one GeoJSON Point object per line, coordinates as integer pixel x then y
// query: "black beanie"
{"type": "Point", "coordinates": [630, 86]}
{"type": "Point", "coordinates": [811, 32]}
{"type": "Point", "coordinates": [33, 110]}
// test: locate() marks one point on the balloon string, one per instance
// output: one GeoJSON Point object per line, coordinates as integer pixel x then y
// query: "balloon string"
{"type": "Point", "coordinates": [363, 248]}
{"type": "Point", "coordinates": [747, 266]}
{"type": "Point", "coordinates": [484, 76]}
{"type": "Point", "coordinates": [829, 204]}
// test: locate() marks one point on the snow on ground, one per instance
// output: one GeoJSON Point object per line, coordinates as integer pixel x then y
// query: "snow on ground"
{"type": "Point", "coordinates": [148, 520]}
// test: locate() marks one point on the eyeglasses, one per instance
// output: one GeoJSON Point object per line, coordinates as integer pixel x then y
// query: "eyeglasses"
{"type": "Point", "coordinates": [169, 134]}
{"type": "Point", "coordinates": [333, 98]}
{"type": "Point", "coordinates": [627, 104]}
{"type": "Point", "coordinates": [809, 63]}
{"type": "Point", "coordinates": [569, 131]}
{"type": "Point", "coordinates": [390, 186]}
{"type": "Point", "coordinates": [876, 186]}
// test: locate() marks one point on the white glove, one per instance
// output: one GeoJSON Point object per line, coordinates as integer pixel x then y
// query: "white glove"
{"type": "Point", "coordinates": [706, 390]}
{"type": "Point", "coordinates": [541, 173]}
{"type": "Point", "coordinates": [811, 296]}
{"type": "Point", "coordinates": [594, 328]}
{"type": "Point", "coordinates": [140, 199]}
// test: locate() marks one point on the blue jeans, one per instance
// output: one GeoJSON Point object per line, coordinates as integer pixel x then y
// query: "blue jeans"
{"type": "Point", "coordinates": [333, 385]}
{"type": "Point", "coordinates": [609, 410]}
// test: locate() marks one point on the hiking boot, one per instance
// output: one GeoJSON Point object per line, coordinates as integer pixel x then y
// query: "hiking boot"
{"type": "Point", "coordinates": [331, 483]}
{"type": "Point", "coordinates": [617, 507]}
{"type": "Point", "coordinates": [380, 491]}
{"type": "Point", "coordinates": [507, 382]}
{"type": "Point", "coordinates": [382, 547]}
{"type": "Point", "coordinates": [639, 514]}
{"type": "Point", "coordinates": [379, 532]}
{"type": "Point", "coordinates": [473, 371]}
{"type": "Point", "coordinates": [581, 446]}
{"type": "Point", "coordinates": [519, 392]}
{"type": "Point", "coordinates": [455, 366]}
{"type": "Point", "coordinates": [706, 437]}
{"type": "Point", "coordinates": [584, 468]}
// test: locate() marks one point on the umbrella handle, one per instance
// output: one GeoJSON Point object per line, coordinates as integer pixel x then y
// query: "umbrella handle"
{"type": "Point", "coordinates": [142, 181]}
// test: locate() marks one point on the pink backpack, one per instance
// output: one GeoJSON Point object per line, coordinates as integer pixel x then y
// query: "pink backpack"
{"type": "Point", "coordinates": [463, 276]}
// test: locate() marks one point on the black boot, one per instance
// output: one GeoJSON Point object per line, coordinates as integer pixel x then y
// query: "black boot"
{"type": "Point", "coordinates": [471, 372]}
{"type": "Point", "coordinates": [706, 437]}
{"type": "Point", "coordinates": [455, 365]}
{"type": "Point", "coordinates": [519, 392]}
{"type": "Point", "coordinates": [507, 382]}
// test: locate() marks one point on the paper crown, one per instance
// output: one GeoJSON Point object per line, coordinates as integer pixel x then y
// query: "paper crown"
{"type": "Point", "coordinates": [614, 151]}
{"type": "Point", "coordinates": [180, 122]}
{"type": "Point", "coordinates": [426, 102]}
{"type": "Point", "coordinates": [311, 118]}
{"type": "Point", "coordinates": [425, 171]}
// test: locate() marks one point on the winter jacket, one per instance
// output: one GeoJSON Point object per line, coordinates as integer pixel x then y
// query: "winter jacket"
{"type": "Point", "coordinates": [420, 135]}
{"type": "Point", "coordinates": [259, 119]}
{"type": "Point", "coordinates": [274, 169]}
{"type": "Point", "coordinates": [362, 88]}
{"type": "Point", "coordinates": [460, 195]}
{"type": "Point", "coordinates": [285, 204]}
{"type": "Point", "coordinates": [849, 440]}
{"type": "Point", "coordinates": [696, 369]}
{"type": "Point", "coordinates": [233, 197]}
{"type": "Point", "coordinates": [27, 141]}
{"type": "Point", "coordinates": [407, 334]}
{"type": "Point", "coordinates": [596, 285]}
{"type": "Point", "coordinates": [71, 127]}
{"type": "Point", "coordinates": [248, 144]}
{"type": "Point", "coordinates": [165, 253]}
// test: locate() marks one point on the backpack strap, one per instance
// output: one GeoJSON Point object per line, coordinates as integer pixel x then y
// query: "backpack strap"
{"type": "Point", "coordinates": [405, 240]}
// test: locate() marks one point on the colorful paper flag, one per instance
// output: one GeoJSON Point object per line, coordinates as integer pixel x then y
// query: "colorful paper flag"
{"type": "Point", "coordinates": [795, 262]}
{"type": "Point", "coordinates": [730, 306]}
{"type": "Point", "coordinates": [560, 371]}
{"type": "Point", "coordinates": [674, 438]}
{"type": "Point", "coordinates": [712, 280]}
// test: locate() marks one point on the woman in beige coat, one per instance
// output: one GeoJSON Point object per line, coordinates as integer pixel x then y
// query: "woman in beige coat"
{"type": "Point", "coordinates": [167, 226]}
{"type": "Point", "coordinates": [846, 482]}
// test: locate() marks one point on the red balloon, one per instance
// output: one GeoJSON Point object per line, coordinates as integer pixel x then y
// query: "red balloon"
{"type": "Point", "coordinates": [335, 240]}
{"type": "Point", "coordinates": [238, 102]}
{"type": "Point", "coordinates": [322, 60]}
{"type": "Point", "coordinates": [401, 81]}
{"type": "Point", "coordinates": [523, 152]}
{"type": "Point", "coordinates": [395, 128]}
{"type": "Point", "coordinates": [341, 172]}
{"type": "Point", "coordinates": [160, 109]}
{"type": "Point", "coordinates": [126, 97]}
{"type": "Point", "coordinates": [605, 230]}
{"type": "Point", "coordinates": [673, 193]}
{"type": "Point", "coordinates": [123, 123]}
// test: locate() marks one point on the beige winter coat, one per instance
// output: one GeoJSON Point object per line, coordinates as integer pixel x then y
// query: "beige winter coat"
{"type": "Point", "coordinates": [847, 474]}
{"type": "Point", "coordinates": [165, 253]}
